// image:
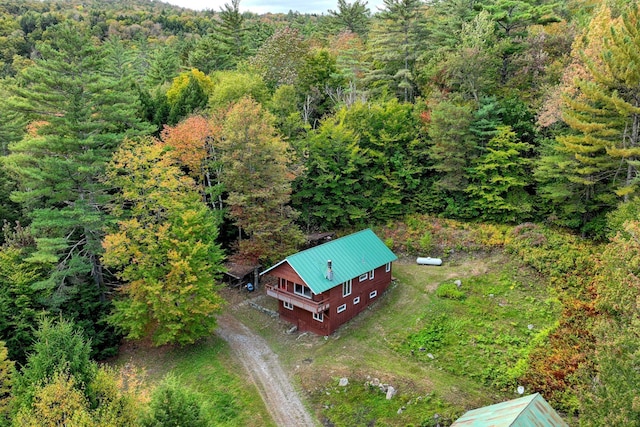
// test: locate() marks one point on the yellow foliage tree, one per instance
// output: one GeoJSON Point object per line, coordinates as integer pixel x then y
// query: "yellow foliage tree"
{"type": "Point", "coordinates": [181, 82]}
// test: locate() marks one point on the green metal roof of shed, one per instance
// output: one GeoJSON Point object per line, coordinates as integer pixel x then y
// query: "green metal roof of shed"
{"type": "Point", "coordinates": [351, 256]}
{"type": "Point", "coordinates": [528, 411]}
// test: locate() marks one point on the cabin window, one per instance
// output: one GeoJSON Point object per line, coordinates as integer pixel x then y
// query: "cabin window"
{"type": "Point", "coordinates": [373, 294]}
{"type": "Point", "coordinates": [342, 308]}
{"type": "Point", "coordinates": [356, 300]}
{"type": "Point", "coordinates": [387, 268]}
{"type": "Point", "coordinates": [363, 277]}
{"type": "Point", "coordinates": [299, 289]}
{"type": "Point", "coordinates": [371, 274]}
{"type": "Point", "coordinates": [287, 305]}
{"type": "Point", "coordinates": [346, 288]}
{"type": "Point", "coordinates": [318, 316]}
{"type": "Point", "coordinates": [283, 283]}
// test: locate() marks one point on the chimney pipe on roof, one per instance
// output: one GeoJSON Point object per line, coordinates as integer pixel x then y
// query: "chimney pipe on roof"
{"type": "Point", "coordinates": [329, 274]}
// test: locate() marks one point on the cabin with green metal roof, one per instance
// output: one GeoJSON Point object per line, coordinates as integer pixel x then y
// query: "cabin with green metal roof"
{"type": "Point", "coordinates": [323, 287]}
{"type": "Point", "coordinates": [528, 411]}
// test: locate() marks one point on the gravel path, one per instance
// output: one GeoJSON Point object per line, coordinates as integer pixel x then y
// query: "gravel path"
{"type": "Point", "coordinates": [265, 371]}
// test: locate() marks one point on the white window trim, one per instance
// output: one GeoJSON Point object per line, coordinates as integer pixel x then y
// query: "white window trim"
{"type": "Point", "coordinates": [387, 268]}
{"type": "Point", "coordinates": [371, 274]}
{"type": "Point", "coordinates": [363, 277]}
{"type": "Point", "coordinates": [356, 300]}
{"type": "Point", "coordinates": [302, 294]}
{"type": "Point", "coordinates": [287, 305]}
{"type": "Point", "coordinates": [373, 294]}
{"type": "Point", "coordinates": [341, 308]}
{"type": "Point", "coordinates": [347, 288]}
{"type": "Point", "coordinates": [318, 317]}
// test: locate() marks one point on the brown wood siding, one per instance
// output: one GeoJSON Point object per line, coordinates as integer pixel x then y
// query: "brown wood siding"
{"type": "Point", "coordinates": [362, 290]}
{"type": "Point", "coordinates": [285, 271]}
{"type": "Point", "coordinates": [304, 320]}
{"type": "Point", "coordinates": [332, 319]}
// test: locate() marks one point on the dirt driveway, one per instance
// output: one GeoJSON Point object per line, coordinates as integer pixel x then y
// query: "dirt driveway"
{"type": "Point", "coordinates": [265, 370]}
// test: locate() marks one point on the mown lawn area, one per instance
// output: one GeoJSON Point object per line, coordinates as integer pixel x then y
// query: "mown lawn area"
{"type": "Point", "coordinates": [445, 348]}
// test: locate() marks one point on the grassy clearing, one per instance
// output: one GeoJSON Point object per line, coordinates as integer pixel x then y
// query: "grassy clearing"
{"type": "Point", "coordinates": [378, 344]}
{"type": "Point", "coordinates": [485, 328]}
{"type": "Point", "coordinates": [209, 369]}
{"type": "Point", "coordinates": [444, 349]}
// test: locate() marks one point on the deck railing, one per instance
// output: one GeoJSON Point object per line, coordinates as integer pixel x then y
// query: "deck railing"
{"type": "Point", "coordinates": [298, 301]}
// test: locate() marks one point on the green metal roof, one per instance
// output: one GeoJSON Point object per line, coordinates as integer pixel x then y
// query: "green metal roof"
{"type": "Point", "coordinates": [351, 256]}
{"type": "Point", "coordinates": [528, 411]}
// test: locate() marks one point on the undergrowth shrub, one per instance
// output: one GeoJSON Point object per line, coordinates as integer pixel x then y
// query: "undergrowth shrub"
{"type": "Point", "coordinates": [450, 291]}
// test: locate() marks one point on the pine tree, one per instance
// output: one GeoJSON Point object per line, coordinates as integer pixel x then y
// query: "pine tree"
{"type": "Point", "coordinates": [353, 17]}
{"type": "Point", "coordinates": [231, 34]}
{"type": "Point", "coordinates": [164, 66]}
{"type": "Point", "coordinates": [512, 18]}
{"type": "Point", "coordinates": [20, 303]}
{"type": "Point", "coordinates": [394, 42]}
{"type": "Point", "coordinates": [603, 146]}
{"type": "Point", "coordinates": [172, 404]}
{"type": "Point", "coordinates": [78, 118]}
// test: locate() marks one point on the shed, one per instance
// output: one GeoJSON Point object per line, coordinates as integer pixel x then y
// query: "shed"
{"type": "Point", "coordinates": [238, 275]}
{"type": "Point", "coordinates": [528, 411]}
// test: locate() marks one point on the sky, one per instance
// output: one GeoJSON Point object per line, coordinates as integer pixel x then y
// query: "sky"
{"type": "Point", "coordinates": [274, 6]}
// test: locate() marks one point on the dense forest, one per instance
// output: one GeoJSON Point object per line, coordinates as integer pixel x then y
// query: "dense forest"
{"type": "Point", "coordinates": [142, 145]}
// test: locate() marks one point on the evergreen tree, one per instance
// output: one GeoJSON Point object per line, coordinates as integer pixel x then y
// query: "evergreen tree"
{"type": "Point", "coordinates": [79, 116]}
{"type": "Point", "coordinates": [59, 349]}
{"type": "Point", "coordinates": [20, 303]}
{"type": "Point", "coordinates": [164, 66]}
{"type": "Point", "coordinates": [394, 43]}
{"type": "Point", "coordinates": [453, 145]}
{"type": "Point", "coordinates": [512, 18]}
{"type": "Point", "coordinates": [12, 122]}
{"type": "Point", "coordinates": [353, 17]}
{"type": "Point", "coordinates": [10, 211]}
{"type": "Point", "coordinates": [174, 405]}
{"type": "Point", "coordinates": [602, 149]}
{"type": "Point", "coordinates": [499, 180]}
{"type": "Point", "coordinates": [352, 66]}
{"type": "Point", "coordinates": [231, 34]}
